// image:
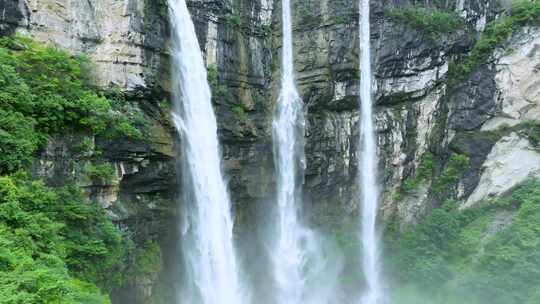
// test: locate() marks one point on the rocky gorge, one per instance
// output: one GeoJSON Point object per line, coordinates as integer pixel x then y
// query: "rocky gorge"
{"type": "Point", "coordinates": [457, 110]}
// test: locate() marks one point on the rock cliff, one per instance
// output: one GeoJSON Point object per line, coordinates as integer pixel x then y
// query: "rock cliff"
{"type": "Point", "coordinates": [488, 116]}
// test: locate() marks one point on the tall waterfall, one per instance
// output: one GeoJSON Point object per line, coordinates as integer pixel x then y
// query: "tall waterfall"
{"type": "Point", "coordinates": [210, 266]}
{"type": "Point", "coordinates": [292, 239]}
{"type": "Point", "coordinates": [368, 167]}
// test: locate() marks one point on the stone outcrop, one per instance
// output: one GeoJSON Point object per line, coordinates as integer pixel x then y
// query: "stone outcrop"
{"type": "Point", "coordinates": [515, 103]}
{"type": "Point", "coordinates": [489, 118]}
{"type": "Point", "coordinates": [517, 67]}
{"type": "Point", "coordinates": [511, 161]}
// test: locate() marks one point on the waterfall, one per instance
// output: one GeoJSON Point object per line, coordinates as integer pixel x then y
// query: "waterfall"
{"type": "Point", "coordinates": [368, 167]}
{"type": "Point", "coordinates": [293, 242]}
{"type": "Point", "coordinates": [211, 273]}
{"type": "Point", "coordinates": [288, 131]}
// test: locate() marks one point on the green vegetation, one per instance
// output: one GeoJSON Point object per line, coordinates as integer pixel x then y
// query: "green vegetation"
{"type": "Point", "coordinates": [523, 12]}
{"type": "Point", "coordinates": [159, 7]}
{"type": "Point", "coordinates": [163, 8]}
{"type": "Point", "coordinates": [423, 173]}
{"type": "Point", "coordinates": [449, 176]}
{"type": "Point", "coordinates": [453, 170]}
{"type": "Point", "coordinates": [18, 141]}
{"type": "Point", "coordinates": [527, 129]}
{"type": "Point", "coordinates": [128, 119]}
{"type": "Point", "coordinates": [234, 20]}
{"type": "Point", "coordinates": [264, 30]}
{"type": "Point", "coordinates": [434, 22]}
{"type": "Point", "coordinates": [55, 246]}
{"type": "Point", "coordinates": [100, 173]}
{"type": "Point", "coordinates": [46, 91]}
{"type": "Point", "coordinates": [239, 112]}
{"type": "Point", "coordinates": [86, 145]}
{"type": "Point", "coordinates": [306, 13]}
{"type": "Point", "coordinates": [341, 12]}
{"type": "Point", "coordinates": [470, 256]}
{"type": "Point", "coordinates": [148, 259]}
{"type": "Point", "coordinates": [218, 90]}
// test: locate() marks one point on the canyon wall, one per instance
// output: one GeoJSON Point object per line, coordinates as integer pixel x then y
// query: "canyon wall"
{"type": "Point", "coordinates": [422, 111]}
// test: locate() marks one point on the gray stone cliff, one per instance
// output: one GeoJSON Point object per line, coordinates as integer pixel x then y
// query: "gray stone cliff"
{"type": "Point", "coordinates": [419, 111]}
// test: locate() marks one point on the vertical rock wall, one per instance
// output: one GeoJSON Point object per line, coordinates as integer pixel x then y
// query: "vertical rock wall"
{"type": "Point", "coordinates": [416, 110]}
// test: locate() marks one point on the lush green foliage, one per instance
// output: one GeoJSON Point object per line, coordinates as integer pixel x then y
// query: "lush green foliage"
{"type": "Point", "coordinates": [456, 256]}
{"type": "Point", "coordinates": [148, 259]}
{"type": "Point", "coordinates": [234, 20]}
{"type": "Point", "coordinates": [218, 90]}
{"type": "Point", "coordinates": [55, 246]}
{"type": "Point", "coordinates": [18, 140]}
{"type": "Point", "coordinates": [523, 12]}
{"type": "Point", "coordinates": [451, 173]}
{"type": "Point", "coordinates": [47, 91]}
{"type": "Point", "coordinates": [95, 247]}
{"type": "Point", "coordinates": [161, 7]}
{"type": "Point", "coordinates": [434, 22]}
{"type": "Point", "coordinates": [240, 112]}
{"type": "Point", "coordinates": [423, 173]}
{"type": "Point", "coordinates": [511, 261]}
{"type": "Point", "coordinates": [100, 173]}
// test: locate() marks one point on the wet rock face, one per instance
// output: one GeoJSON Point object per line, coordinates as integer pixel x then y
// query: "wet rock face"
{"type": "Point", "coordinates": [410, 70]}
{"type": "Point", "coordinates": [236, 42]}
{"type": "Point", "coordinates": [473, 103]}
{"type": "Point", "coordinates": [241, 42]}
{"type": "Point", "coordinates": [13, 14]}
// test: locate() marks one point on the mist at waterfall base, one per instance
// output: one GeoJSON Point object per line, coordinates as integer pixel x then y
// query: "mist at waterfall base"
{"type": "Point", "coordinates": [303, 269]}
{"type": "Point", "coordinates": [210, 268]}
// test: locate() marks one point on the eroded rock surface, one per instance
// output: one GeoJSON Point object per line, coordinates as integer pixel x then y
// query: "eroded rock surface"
{"type": "Point", "coordinates": [518, 81]}
{"type": "Point", "coordinates": [511, 161]}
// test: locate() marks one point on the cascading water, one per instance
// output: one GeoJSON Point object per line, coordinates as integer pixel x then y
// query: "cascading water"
{"type": "Point", "coordinates": [293, 242]}
{"type": "Point", "coordinates": [211, 273]}
{"type": "Point", "coordinates": [368, 167]}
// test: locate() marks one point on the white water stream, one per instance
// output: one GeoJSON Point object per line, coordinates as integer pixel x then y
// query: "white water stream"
{"type": "Point", "coordinates": [295, 252]}
{"type": "Point", "coordinates": [368, 168]}
{"type": "Point", "coordinates": [288, 127]}
{"type": "Point", "coordinates": [211, 274]}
